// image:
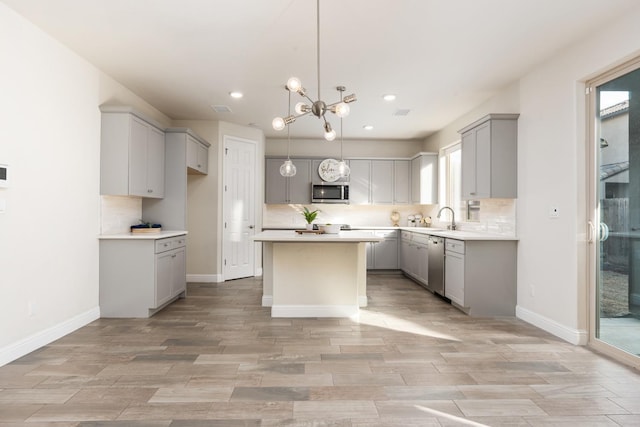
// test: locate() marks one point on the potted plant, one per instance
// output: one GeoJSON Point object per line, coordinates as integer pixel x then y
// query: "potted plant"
{"type": "Point", "coordinates": [309, 216]}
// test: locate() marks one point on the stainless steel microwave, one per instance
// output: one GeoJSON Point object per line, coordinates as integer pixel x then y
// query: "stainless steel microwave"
{"type": "Point", "coordinates": [330, 192]}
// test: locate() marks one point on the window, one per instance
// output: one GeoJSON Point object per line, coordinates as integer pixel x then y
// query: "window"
{"type": "Point", "coordinates": [450, 179]}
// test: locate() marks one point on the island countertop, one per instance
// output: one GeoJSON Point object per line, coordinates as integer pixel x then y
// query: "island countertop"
{"type": "Point", "coordinates": [344, 236]}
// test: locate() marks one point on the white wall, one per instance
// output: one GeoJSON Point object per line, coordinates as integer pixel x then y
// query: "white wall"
{"type": "Point", "coordinates": [552, 270]}
{"type": "Point", "coordinates": [50, 138]}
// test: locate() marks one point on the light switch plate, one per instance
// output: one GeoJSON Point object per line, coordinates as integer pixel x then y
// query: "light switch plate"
{"type": "Point", "coordinates": [3, 205]}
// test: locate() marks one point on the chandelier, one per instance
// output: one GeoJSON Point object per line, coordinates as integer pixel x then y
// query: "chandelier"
{"type": "Point", "coordinates": [317, 108]}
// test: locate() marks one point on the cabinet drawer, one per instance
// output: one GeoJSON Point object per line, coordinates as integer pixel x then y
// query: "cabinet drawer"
{"type": "Point", "coordinates": [456, 246]}
{"type": "Point", "coordinates": [422, 239]}
{"type": "Point", "coordinates": [406, 236]}
{"type": "Point", "coordinates": [163, 245]}
{"type": "Point", "coordinates": [387, 234]}
{"type": "Point", "coordinates": [178, 242]}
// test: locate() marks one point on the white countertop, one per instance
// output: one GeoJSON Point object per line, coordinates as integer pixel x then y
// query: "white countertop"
{"type": "Point", "coordinates": [345, 236]}
{"type": "Point", "coordinates": [457, 234]}
{"type": "Point", "coordinates": [143, 236]}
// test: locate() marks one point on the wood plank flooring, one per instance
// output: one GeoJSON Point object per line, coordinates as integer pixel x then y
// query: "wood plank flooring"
{"type": "Point", "coordinates": [217, 358]}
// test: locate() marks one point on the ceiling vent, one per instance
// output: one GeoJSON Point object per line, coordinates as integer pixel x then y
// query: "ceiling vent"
{"type": "Point", "coordinates": [401, 112]}
{"type": "Point", "coordinates": [221, 108]}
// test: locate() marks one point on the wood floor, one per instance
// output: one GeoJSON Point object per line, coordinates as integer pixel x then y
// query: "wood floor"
{"type": "Point", "coordinates": [217, 358]}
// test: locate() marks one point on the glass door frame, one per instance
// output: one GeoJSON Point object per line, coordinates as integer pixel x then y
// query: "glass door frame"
{"type": "Point", "coordinates": [593, 212]}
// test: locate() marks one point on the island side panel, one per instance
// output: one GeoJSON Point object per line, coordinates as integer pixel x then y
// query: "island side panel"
{"type": "Point", "coordinates": [315, 279]}
{"type": "Point", "coordinates": [362, 274]}
{"type": "Point", "coordinates": [267, 274]}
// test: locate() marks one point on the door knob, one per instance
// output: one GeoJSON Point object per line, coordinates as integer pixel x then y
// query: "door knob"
{"type": "Point", "coordinates": [251, 227]}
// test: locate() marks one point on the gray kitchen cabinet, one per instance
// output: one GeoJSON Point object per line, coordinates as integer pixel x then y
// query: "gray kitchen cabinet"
{"type": "Point", "coordinates": [283, 190]}
{"type": "Point", "coordinates": [360, 182]}
{"type": "Point", "coordinates": [171, 210]}
{"type": "Point", "coordinates": [197, 153]}
{"type": "Point", "coordinates": [132, 154]}
{"type": "Point", "coordinates": [373, 182]}
{"type": "Point", "coordinates": [138, 277]}
{"type": "Point", "coordinates": [454, 271]}
{"type": "Point", "coordinates": [383, 255]}
{"type": "Point", "coordinates": [414, 261]}
{"type": "Point", "coordinates": [480, 276]}
{"type": "Point", "coordinates": [489, 157]}
{"type": "Point", "coordinates": [424, 179]}
{"type": "Point", "coordinates": [401, 182]}
{"type": "Point", "coordinates": [382, 182]}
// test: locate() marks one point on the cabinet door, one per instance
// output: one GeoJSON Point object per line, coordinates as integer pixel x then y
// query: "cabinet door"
{"type": "Point", "coordinates": [197, 156]}
{"type": "Point", "coordinates": [178, 272]}
{"type": "Point", "coordinates": [483, 161]}
{"type": "Point", "coordinates": [138, 158]}
{"type": "Point", "coordinates": [422, 261]}
{"type": "Point", "coordinates": [155, 162]}
{"type": "Point", "coordinates": [381, 186]}
{"type": "Point", "coordinates": [359, 182]}
{"type": "Point", "coordinates": [163, 278]}
{"type": "Point", "coordinates": [424, 179]}
{"type": "Point", "coordinates": [275, 184]}
{"type": "Point", "coordinates": [468, 165]}
{"type": "Point", "coordinates": [299, 189]}
{"type": "Point", "coordinates": [401, 182]}
{"type": "Point", "coordinates": [385, 254]}
{"type": "Point", "coordinates": [454, 277]}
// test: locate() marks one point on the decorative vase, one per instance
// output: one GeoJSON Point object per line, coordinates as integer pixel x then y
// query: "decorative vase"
{"type": "Point", "coordinates": [309, 226]}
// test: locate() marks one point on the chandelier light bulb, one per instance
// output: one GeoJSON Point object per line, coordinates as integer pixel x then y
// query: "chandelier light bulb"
{"type": "Point", "coordinates": [301, 108]}
{"type": "Point", "coordinates": [294, 84]}
{"type": "Point", "coordinates": [342, 110]}
{"type": "Point", "coordinates": [288, 168]}
{"type": "Point", "coordinates": [278, 123]}
{"type": "Point", "coordinates": [330, 135]}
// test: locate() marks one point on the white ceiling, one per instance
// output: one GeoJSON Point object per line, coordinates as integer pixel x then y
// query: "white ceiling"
{"type": "Point", "coordinates": [440, 57]}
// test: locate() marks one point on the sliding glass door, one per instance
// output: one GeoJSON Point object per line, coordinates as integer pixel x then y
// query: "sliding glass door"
{"type": "Point", "coordinates": [615, 211]}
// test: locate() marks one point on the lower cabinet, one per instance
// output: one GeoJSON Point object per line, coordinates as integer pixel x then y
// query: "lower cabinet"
{"type": "Point", "coordinates": [480, 276]}
{"type": "Point", "coordinates": [454, 271]}
{"type": "Point", "coordinates": [414, 256]}
{"type": "Point", "coordinates": [383, 255]}
{"type": "Point", "coordinates": [138, 277]}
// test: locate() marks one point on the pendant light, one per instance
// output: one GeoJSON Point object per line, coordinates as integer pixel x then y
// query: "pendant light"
{"type": "Point", "coordinates": [288, 168]}
{"type": "Point", "coordinates": [343, 168]}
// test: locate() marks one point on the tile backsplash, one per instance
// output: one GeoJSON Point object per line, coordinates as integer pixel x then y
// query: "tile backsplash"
{"type": "Point", "coordinates": [119, 213]}
{"type": "Point", "coordinates": [497, 216]}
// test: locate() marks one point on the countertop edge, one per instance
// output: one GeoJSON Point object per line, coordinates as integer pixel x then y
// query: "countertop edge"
{"type": "Point", "coordinates": [143, 236]}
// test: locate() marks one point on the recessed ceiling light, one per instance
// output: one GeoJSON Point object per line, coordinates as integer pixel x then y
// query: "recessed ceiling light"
{"type": "Point", "coordinates": [367, 127]}
{"type": "Point", "coordinates": [389, 97]}
{"type": "Point", "coordinates": [235, 94]}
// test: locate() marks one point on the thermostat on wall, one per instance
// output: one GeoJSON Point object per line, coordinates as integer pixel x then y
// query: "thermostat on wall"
{"type": "Point", "coordinates": [4, 176]}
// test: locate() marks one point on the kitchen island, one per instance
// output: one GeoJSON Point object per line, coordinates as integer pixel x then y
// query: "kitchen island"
{"type": "Point", "coordinates": [314, 275]}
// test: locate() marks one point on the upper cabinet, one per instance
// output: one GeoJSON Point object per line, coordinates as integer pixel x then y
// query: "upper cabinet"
{"type": "Point", "coordinates": [283, 190]}
{"type": "Point", "coordinates": [489, 157]}
{"type": "Point", "coordinates": [132, 154]}
{"type": "Point", "coordinates": [379, 182]}
{"type": "Point", "coordinates": [196, 148]}
{"type": "Point", "coordinates": [424, 179]}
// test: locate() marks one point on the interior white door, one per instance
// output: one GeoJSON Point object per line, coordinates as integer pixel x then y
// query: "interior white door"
{"type": "Point", "coordinates": [239, 208]}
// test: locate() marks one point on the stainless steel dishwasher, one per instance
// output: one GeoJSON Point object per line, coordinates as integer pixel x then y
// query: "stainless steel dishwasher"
{"type": "Point", "coordinates": [435, 276]}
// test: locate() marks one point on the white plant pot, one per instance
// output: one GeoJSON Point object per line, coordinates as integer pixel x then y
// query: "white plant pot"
{"type": "Point", "coordinates": [309, 226]}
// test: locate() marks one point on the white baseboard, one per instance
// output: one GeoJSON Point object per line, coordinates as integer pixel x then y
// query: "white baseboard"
{"type": "Point", "coordinates": [362, 301]}
{"type": "Point", "coordinates": [40, 339]}
{"type": "Point", "coordinates": [259, 272]}
{"type": "Point", "coordinates": [573, 336]}
{"type": "Point", "coordinates": [204, 278]}
{"type": "Point", "coordinates": [314, 311]}
{"type": "Point", "coordinates": [267, 300]}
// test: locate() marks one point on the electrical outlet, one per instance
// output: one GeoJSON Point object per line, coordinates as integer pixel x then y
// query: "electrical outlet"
{"type": "Point", "coordinates": [554, 212]}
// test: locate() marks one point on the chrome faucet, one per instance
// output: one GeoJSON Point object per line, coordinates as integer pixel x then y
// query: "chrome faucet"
{"type": "Point", "coordinates": [453, 218]}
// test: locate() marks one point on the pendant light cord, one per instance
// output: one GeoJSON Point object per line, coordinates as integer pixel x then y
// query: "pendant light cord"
{"type": "Point", "coordinates": [318, 43]}
{"type": "Point", "coordinates": [289, 127]}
